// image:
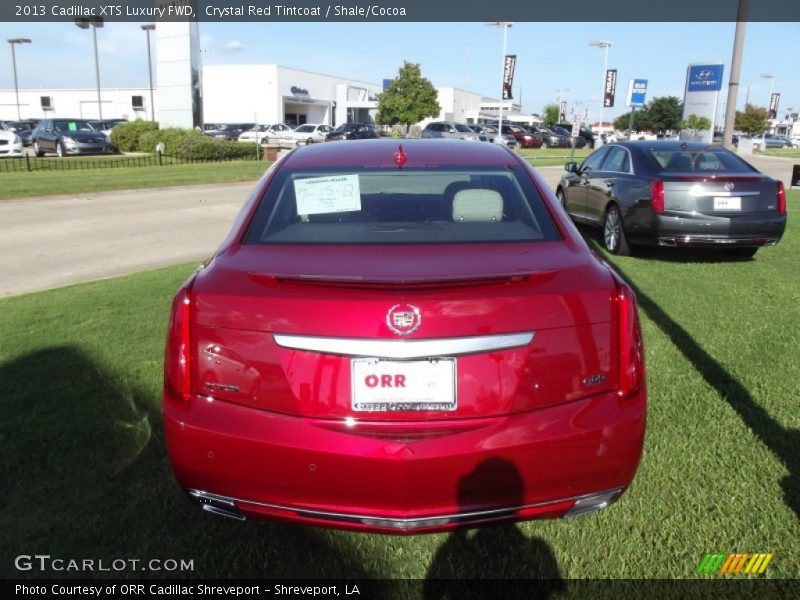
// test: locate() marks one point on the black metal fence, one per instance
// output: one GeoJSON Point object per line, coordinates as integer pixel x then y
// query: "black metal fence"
{"type": "Point", "coordinates": [70, 163]}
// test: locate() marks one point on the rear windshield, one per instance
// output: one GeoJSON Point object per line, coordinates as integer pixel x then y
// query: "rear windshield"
{"type": "Point", "coordinates": [412, 206]}
{"type": "Point", "coordinates": [712, 159]}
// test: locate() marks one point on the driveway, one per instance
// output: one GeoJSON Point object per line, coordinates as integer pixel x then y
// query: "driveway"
{"type": "Point", "coordinates": [54, 241]}
{"type": "Point", "coordinates": [59, 240]}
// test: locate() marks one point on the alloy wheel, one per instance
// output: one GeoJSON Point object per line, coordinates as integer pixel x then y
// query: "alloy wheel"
{"type": "Point", "coordinates": [611, 230]}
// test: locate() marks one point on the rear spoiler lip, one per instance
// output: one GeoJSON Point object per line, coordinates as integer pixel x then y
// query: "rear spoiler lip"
{"type": "Point", "coordinates": [355, 281]}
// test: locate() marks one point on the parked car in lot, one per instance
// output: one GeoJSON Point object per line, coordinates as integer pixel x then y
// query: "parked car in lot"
{"type": "Point", "coordinates": [583, 131]}
{"type": "Point", "coordinates": [10, 142]}
{"type": "Point", "coordinates": [68, 136]}
{"type": "Point", "coordinates": [524, 137]}
{"type": "Point", "coordinates": [672, 193]}
{"type": "Point", "coordinates": [488, 133]}
{"type": "Point", "coordinates": [554, 139]}
{"type": "Point", "coordinates": [309, 133]}
{"type": "Point", "coordinates": [579, 141]}
{"type": "Point", "coordinates": [231, 131]}
{"type": "Point", "coordinates": [24, 129]}
{"type": "Point", "coordinates": [353, 131]}
{"type": "Point", "coordinates": [404, 339]}
{"type": "Point", "coordinates": [449, 130]}
{"type": "Point", "coordinates": [771, 140]}
{"type": "Point", "coordinates": [266, 134]}
{"type": "Point", "coordinates": [106, 126]}
{"type": "Point", "coordinates": [718, 136]}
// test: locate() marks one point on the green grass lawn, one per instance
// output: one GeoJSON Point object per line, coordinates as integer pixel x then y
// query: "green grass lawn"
{"type": "Point", "coordinates": [47, 183]}
{"type": "Point", "coordinates": [84, 473]}
{"type": "Point", "coordinates": [787, 152]}
{"type": "Point", "coordinates": [551, 156]}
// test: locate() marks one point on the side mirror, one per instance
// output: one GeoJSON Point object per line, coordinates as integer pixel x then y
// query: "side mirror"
{"type": "Point", "coordinates": [571, 167]}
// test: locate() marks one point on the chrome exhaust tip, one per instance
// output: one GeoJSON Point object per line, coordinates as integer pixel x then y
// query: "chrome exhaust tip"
{"type": "Point", "coordinates": [217, 505]}
{"type": "Point", "coordinates": [592, 502]}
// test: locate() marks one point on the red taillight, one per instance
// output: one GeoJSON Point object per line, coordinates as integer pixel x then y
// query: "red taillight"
{"type": "Point", "coordinates": [657, 196]}
{"type": "Point", "coordinates": [177, 359]}
{"type": "Point", "coordinates": [781, 198]}
{"type": "Point", "coordinates": [630, 349]}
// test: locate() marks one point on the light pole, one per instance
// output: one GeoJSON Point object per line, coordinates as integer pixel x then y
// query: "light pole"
{"type": "Point", "coordinates": [605, 45]}
{"type": "Point", "coordinates": [147, 29]}
{"type": "Point", "coordinates": [94, 23]}
{"type": "Point", "coordinates": [504, 25]}
{"type": "Point", "coordinates": [13, 43]}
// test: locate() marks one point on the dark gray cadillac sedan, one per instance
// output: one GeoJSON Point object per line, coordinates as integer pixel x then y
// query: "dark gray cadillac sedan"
{"type": "Point", "coordinates": [673, 193]}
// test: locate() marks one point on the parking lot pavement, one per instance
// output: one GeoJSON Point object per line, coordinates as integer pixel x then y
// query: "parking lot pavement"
{"type": "Point", "coordinates": [49, 242]}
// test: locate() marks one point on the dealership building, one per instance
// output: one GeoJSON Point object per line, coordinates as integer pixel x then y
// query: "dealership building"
{"type": "Point", "coordinates": [231, 93]}
{"type": "Point", "coordinates": [263, 94]}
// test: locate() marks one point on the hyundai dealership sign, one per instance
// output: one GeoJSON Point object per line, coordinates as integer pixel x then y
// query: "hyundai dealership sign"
{"type": "Point", "coordinates": [704, 78]}
{"type": "Point", "coordinates": [701, 96]}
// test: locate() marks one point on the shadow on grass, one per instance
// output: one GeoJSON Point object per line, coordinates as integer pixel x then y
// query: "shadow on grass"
{"type": "Point", "coordinates": [84, 475]}
{"type": "Point", "coordinates": [782, 442]}
{"type": "Point", "coordinates": [499, 552]}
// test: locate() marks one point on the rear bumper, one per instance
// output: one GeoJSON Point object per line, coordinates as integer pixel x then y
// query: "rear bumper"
{"type": "Point", "coordinates": [758, 229]}
{"type": "Point", "coordinates": [574, 457]}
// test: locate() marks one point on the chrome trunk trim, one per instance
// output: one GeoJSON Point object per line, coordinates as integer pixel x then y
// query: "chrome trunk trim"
{"type": "Point", "coordinates": [583, 504]}
{"type": "Point", "coordinates": [404, 349]}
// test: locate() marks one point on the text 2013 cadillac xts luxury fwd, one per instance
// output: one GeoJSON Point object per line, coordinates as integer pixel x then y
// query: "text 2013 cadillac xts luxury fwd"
{"type": "Point", "coordinates": [404, 339]}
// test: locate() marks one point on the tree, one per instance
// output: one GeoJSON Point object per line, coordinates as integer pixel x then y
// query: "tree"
{"type": "Point", "coordinates": [409, 99]}
{"type": "Point", "coordinates": [694, 124]}
{"type": "Point", "coordinates": [640, 121]}
{"type": "Point", "coordinates": [664, 114]}
{"type": "Point", "coordinates": [752, 120]}
{"type": "Point", "coordinates": [550, 114]}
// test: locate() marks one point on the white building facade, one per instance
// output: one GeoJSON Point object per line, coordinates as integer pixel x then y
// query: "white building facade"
{"type": "Point", "coordinates": [268, 94]}
{"type": "Point", "coordinates": [264, 94]}
{"type": "Point", "coordinates": [118, 103]}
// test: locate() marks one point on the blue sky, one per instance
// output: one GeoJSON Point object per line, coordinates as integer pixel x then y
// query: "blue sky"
{"type": "Point", "coordinates": [550, 55]}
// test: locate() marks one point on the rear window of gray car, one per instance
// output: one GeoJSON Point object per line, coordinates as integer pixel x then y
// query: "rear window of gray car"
{"type": "Point", "coordinates": [706, 160]}
{"type": "Point", "coordinates": [412, 206]}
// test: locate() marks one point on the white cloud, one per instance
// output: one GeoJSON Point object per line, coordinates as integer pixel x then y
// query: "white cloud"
{"type": "Point", "coordinates": [234, 46]}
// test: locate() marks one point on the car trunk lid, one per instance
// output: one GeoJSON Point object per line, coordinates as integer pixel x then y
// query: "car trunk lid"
{"type": "Point", "coordinates": [493, 329]}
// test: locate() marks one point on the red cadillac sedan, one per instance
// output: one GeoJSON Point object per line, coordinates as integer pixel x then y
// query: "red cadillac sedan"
{"type": "Point", "coordinates": [404, 339]}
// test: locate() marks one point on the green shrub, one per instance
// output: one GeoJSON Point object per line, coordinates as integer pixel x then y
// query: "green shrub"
{"type": "Point", "coordinates": [125, 136]}
{"type": "Point", "coordinates": [190, 143]}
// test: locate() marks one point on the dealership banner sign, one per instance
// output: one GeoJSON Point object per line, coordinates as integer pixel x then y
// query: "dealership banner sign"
{"type": "Point", "coordinates": [637, 90]}
{"type": "Point", "coordinates": [701, 94]}
{"type": "Point", "coordinates": [508, 75]}
{"type": "Point", "coordinates": [611, 88]}
{"type": "Point", "coordinates": [773, 105]}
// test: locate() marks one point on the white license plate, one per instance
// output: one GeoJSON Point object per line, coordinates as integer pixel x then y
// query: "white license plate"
{"type": "Point", "coordinates": [403, 385]}
{"type": "Point", "coordinates": [727, 203]}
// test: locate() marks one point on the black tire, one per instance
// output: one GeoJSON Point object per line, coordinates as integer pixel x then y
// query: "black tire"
{"type": "Point", "coordinates": [561, 198]}
{"type": "Point", "coordinates": [60, 150]}
{"type": "Point", "coordinates": [613, 233]}
{"type": "Point", "coordinates": [36, 150]}
{"type": "Point", "coordinates": [309, 141]}
{"type": "Point", "coordinates": [742, 253]}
